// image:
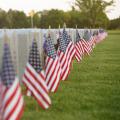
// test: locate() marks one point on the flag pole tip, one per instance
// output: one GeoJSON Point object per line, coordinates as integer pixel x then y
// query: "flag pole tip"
{"type": "Point", "coordinates": [76, 26]}
{"type": "Point", "coordinates": [49, 27]}
{"type": "Point", "coordinates": [59, 26]}
{"type": "Point", "coordinates": [64, 25]}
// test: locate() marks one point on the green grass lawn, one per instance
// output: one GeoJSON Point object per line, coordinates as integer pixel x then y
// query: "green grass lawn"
{"type": "Point", "coordinates": [92, 91]}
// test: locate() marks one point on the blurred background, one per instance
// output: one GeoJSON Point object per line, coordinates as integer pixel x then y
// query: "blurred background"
{"type": "Point", "coordinates": [41, 14]}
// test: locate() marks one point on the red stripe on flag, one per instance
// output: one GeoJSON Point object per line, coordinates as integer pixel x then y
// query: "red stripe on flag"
{"type": "Point", "coordinates": [30, 72]}
{"type": "Point", "coordinates": [13, 109]}
{"type": "Point", "coordinates": [52, 71]}
{"type": "Point", "coordinates": [11, 97]}
{"type": "Point", "coordinates": [37, 90]}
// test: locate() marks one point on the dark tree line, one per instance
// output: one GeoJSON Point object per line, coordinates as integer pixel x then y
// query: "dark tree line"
{"type": "Point", "coordinates": [13, 19]}
{"type": "Point", "coordinates": [114, 24]}
{"type": "Point", "coordinates": [84, 13]}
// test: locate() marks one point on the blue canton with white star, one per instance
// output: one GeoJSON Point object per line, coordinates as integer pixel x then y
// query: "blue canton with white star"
{"type": "Point", "coordinates": [34, 57]}
{"type": "Point", "coordinates": [50, 49]}
{"type": "Point", "coordinates": [65, 37]}
{"type": "Point", "coordinates": [62, 43]}
{"type": "Point", "coordinates": [7, 72]}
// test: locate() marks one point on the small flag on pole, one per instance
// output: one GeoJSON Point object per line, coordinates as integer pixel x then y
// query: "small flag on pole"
{"type": "Point", "coordinates": [62, 53]}
{"type": "Point", "coordinates": [34, 78]}
{"type": "Point", "coordinates": [52, 66]}
{"type": "Point", "coordinates": [66, 53]}
{"type": "Point", "coordinates": [79, 51]}
{"type": "Point", "coordinates": [70, 52]}
{"type": "Point", "coordinates": [12, 101]}
{"type": "Point", "coordinates": [85, 42]}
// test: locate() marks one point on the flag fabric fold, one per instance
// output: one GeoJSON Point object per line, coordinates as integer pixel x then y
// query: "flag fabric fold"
{"type": "Point", "coordinates": [66, 53]}
{"type": "Point", "coordinates": [62, 53]}
{"type": "Point", "coordinates": [79, 50]}
{"type": "Point", "coordinates": [100, 36]}
{"type": "Point", "coordinates": [52, 66]}
{"type": "Point", "coordinates": [70, 51]}
{"type": "Point", "coordinates": [2, 88]}
{"type": "Point", "coordinates": [34, 78]}
{"type": "Point", "coordinates": [12, 101]}
{"type": "Point", "coordinates": [86, 43]}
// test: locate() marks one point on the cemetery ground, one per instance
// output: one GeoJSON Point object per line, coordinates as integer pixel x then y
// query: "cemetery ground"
{"type": "Point", "coordinates": [92, 90]}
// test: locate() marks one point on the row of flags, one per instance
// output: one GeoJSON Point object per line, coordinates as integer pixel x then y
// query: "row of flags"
{"type": "Point", "coordinates": [40, 81]}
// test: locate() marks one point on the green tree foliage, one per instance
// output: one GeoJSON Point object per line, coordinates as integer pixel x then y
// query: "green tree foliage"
{"type": "Point", "coordinates": [114, 24]}
{"type": "Point", "coordinates": [3, 19]}
{"type": "Point", "coordinates": [17, 19]}
{"type": "Point", "coordinates": [36, 19]}
{"type": "Point", "coordinates": [75, 19]}
{"type": "Point", "coordinates": [93, 11]}
{"type": "Point", "coordinates": [53, 18]}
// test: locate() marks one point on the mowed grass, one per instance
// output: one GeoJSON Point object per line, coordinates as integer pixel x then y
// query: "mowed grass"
{"type": "Point", "coordinates": [91, 92]}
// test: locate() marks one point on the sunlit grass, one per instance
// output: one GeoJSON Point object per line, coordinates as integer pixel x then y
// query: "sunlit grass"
{"type": "Point", "coordinates": [92, 91]}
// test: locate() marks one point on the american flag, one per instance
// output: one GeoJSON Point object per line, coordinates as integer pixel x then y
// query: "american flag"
{"type": "Point", "coordinates": [90, 40]}
{"type": "Point", "coordinates": [66, 53]}
{"type": "Point", "coordinates": [71, 52]}
{"type": "Point", "coordinates": [52, 66]}
{"type": "Point", "coordinates": [85, 43]}
{"type": "Point", "coordinates": [79, 51]}
{"type": "Point", "coordinates": [12, 104]}
{"type": "Point", "coordinates": [34, 78]}
{"type": "Point", "coordinates": [63, 56]}
{"type": "Point", "coordinates": [101, 36]}
{"type": "Point", "coordinates": [95, 34]}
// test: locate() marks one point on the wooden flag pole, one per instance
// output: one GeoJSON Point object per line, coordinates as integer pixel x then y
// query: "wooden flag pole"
{"type": "Point", "coordinates": [59, 27]}
{"type": "Point", "coordinates": [64, 25]}
{"type": "Point", "coordinates": [49, 27]}
{"type": "Point", "coordinates": [76, 26]}
{"type": "Point", "coordinates": [35, 35]}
